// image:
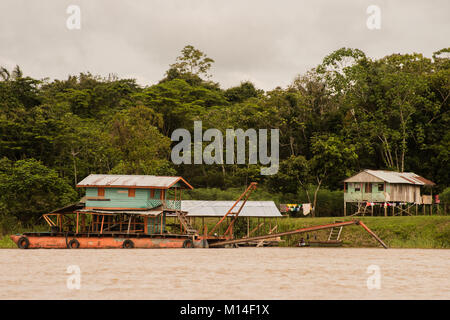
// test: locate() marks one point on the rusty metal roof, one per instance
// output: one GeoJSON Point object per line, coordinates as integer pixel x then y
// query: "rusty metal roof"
{"type": "Point", "coordinates": [137, 181]}
{"type": "Point", "coordinates": [398, 177]}
{"type": "Point", "coordinates": [200, 208]}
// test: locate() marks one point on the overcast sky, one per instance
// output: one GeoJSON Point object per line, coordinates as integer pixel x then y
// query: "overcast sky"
{"type": "Point", "coordinates": [267, 42]}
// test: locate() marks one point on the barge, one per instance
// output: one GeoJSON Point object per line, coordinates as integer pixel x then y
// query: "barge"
{"type": "Point", "coordinates": [130, 211]}
{"type": "Point", "coordinates": [119, 211]}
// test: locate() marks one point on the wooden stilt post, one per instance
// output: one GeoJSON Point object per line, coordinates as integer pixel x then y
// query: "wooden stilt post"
{"type": "Point", "coordinates": [385, 210]}
{"type": "Point", "coordinates": [345, 208]}
{"type": "Point", "coordinates": [103, 220]}
{"type": "Point", "coordinates": [248, 226]}
{"type": "Point", "coordinates": [264, 223]}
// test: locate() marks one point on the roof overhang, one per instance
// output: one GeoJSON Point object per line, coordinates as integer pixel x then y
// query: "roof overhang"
{"type": "Point", "coordinates": [394, 177]}
{"type": "Point", "coordinates": [136, 212]}
{"type": "Point", "coordinates": [132, 181]}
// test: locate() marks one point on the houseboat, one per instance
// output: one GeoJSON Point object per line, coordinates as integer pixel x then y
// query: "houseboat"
{"type": "Point", "coordinates": [119, 211]}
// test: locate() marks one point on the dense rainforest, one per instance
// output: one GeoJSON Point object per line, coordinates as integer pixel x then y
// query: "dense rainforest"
{"type": "Point", "coordinates": [349, 113]}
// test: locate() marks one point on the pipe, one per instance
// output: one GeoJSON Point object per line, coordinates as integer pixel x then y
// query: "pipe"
{"type": "Point", "coordinates": [315, 228]}
{"type": "Point", "coordinates": [373, 234]}
{"type": "Point", "coordinates": [273, 235]}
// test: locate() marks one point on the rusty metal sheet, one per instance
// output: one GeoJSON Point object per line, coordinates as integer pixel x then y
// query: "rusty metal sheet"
{"type": "Point", "coordinates": [399, 177]}
{"type": "Point", "coordinates": [198, 208]}
{"type": "Point", "coordinates": [139, 181]}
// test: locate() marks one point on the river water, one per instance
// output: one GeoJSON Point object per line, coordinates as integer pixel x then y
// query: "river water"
{"type": "Point", "coordinates": [242, 273]}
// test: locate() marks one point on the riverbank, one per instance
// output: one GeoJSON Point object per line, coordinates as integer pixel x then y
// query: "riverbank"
{"type": "Point", "coordinates": [421, 232]}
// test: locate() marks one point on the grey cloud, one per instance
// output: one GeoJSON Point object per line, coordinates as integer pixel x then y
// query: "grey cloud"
{"type": "Point", "coordinates": [267, 42]}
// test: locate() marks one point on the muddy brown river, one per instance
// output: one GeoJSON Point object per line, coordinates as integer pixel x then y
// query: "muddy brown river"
{"type": "Point", "coordinates": [243, 273]}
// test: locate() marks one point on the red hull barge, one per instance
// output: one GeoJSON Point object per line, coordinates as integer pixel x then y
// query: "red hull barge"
{"type": "Point", "coordinates": [114, 241]}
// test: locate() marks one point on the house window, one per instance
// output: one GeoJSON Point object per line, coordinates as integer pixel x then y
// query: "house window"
{"type": "Point", "coordinates": [357, 188]}
{"type": "Point", "coordinates": [131, 192]}
{"type": "Point", "coordinates": [101, 192]}
{"type": "Point", "coordinates": [345, 187]}
{"type": "Point", "coordinates": [152, 193]}
{"type": "Point", "coordinates": [380, 187]}
{"type": "Point", "coordinates": [368, 187]}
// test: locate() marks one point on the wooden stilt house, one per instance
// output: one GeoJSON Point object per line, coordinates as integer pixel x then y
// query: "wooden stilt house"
{"type": "Point", "coordinates": [145, 200]}
{"type": "Point", "coordinates": [381, 186]}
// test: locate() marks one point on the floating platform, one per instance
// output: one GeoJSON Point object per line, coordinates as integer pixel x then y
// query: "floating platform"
{"type": "Point", "coordinates": [48, 240]}
{"type": "Point", "coordinates": [327, 243]}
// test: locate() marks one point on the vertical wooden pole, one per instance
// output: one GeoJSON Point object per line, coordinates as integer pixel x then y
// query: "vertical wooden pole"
{"type": "Point", "coordinates": [83, 222]}
{"type": "Point", "coordinates": [345, 208]}
{"type": "Point", "coordinates": [248, 227]}
{"type": "Point", "coordinates": [129, 224]}
{"type": "Point", "coordinates": [431, 205]}
{"type": "Point", "coordinates": [103, 220]}
{"type": "Point", "coordinates": [145, 225]}
{"type": "Point", "coordinates": [385, 210]}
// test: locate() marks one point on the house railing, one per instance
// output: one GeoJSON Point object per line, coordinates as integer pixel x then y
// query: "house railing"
{"type": "Point", "coordinates": [173, 204]}
{"type": "Point", "coordinates": [168, 204]}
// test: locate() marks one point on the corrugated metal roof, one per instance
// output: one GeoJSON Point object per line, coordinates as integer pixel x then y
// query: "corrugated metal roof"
{"type": "Point", "coordinates": [202, 208]}
{"type": "Point", "coordinates": [117, 180]}
{"type": "Point", "coordinates": [399, 177]}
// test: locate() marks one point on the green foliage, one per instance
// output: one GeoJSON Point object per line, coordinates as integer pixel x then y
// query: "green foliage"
{"type": "Point", "coordinates": [193, 61]}
{"type": "Point", "coordinates": [396, 232]}
{"type": "Point", "coordinates": [28, 189]}
{"type": "Point", "coordinates": [445, 195]}
{"type": "Point", "coordinates": [349, 113]}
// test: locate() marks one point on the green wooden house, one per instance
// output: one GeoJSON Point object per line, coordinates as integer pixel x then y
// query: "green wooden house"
{"type": "Point", "coordinates": [381, 186]}
{"type": "Point", "coordinates": [147, 198]}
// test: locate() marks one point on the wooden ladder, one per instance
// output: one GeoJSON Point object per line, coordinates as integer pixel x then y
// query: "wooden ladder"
{"type": "Point", "coordinates": [335, 233]}
{"type": "Point", "coordinates": [186, 225]}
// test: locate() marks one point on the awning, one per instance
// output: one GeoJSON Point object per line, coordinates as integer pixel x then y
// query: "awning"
{"type": "Point", "coordinates": [136, 212]}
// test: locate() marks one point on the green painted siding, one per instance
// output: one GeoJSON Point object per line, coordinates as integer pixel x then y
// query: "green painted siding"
{"type": "Point", "coordinates": [376, 195]}
{"type": "Point", "coordinates": [118, 198]}
{"type": "Point", "coordinates": [154, 224]}
{"type": "Point", "coordinates": [91, 192]}
{"type": "Point", "coordinates": [154, 201]}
